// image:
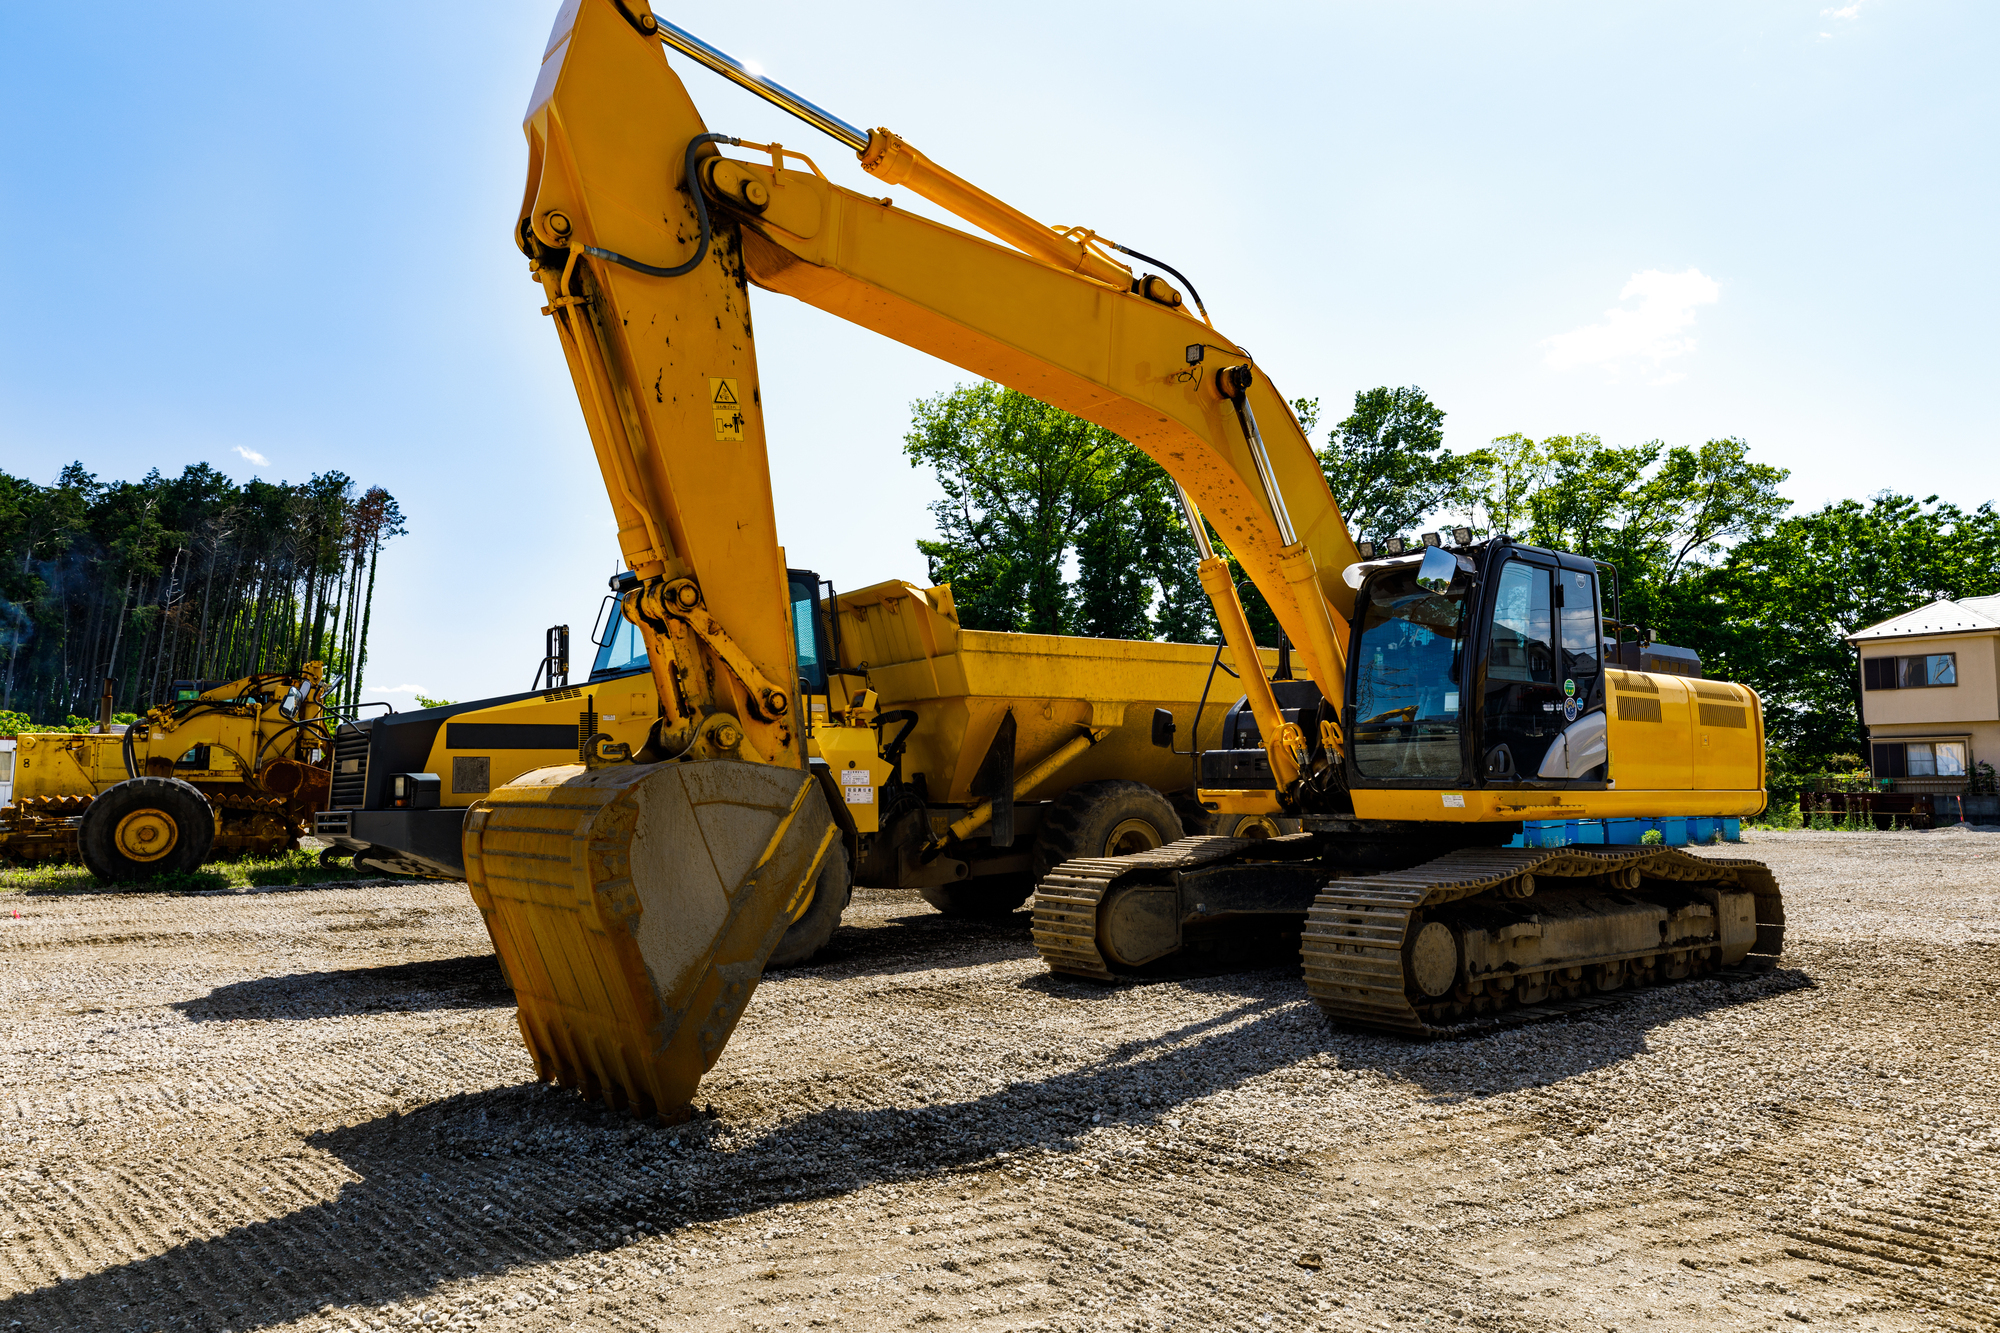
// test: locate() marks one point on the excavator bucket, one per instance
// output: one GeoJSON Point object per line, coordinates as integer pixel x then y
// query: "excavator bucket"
{"type": "Point", "coordinates": [633, 908]}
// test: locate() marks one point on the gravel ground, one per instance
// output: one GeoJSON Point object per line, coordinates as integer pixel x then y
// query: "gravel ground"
{"type": "Point", "coordinates": [311, 1109]}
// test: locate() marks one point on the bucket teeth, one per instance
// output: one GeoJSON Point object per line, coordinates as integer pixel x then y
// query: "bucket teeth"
{"type": "Point", "coordinates": [633, 908]}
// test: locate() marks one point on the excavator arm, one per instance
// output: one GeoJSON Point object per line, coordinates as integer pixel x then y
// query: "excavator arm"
{"type": "Point", "coordinates": [610, 206]}
{"type": "Point", "coordinates": [634, 898]}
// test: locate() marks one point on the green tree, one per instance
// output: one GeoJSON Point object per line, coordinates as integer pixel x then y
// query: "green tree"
{"type": "Point", "coordinates": [1387, 464]}
{"type": "Point", "coordinates": [1774, 610]}
{"type": "Point", "coordinates": [1646, 509]}
{"type": "Point", "coordinates": [1136, 563]}
{"type": "Point", "coordinates": [1033, 493]}
{"type": "Point", "coordinates": [176, 578]}
{"type": "Point", "coordinates": [1022, 480]}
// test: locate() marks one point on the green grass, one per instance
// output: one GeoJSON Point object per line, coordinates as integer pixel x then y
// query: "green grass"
{"type": "Point", "coordinates": [1782, 814]}
{"type": "Point", "coordinates": [287, 868]}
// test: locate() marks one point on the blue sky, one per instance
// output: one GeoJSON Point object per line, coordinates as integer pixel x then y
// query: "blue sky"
{"type": "Point", "coordinates": [277, 241]}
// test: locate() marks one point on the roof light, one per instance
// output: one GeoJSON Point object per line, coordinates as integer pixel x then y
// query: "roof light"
{"type": "Point", "coordinates": [1395, 545]}
{"type": "Point", "coordinates": [1432, 539]}
{"type": "Point", "coordinates": [1367, 550]}
{"type": "Point", "coordinates": [1463, 536]}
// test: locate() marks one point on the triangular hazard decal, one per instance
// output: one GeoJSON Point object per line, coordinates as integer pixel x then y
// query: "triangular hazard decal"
{"type": "Point", "coordinates": [724, 398]}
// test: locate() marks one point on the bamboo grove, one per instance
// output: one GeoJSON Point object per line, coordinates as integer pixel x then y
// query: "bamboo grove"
{"type": "Point", "coordinates": [140, 584]}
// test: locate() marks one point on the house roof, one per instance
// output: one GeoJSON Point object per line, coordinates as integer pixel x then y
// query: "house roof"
{"type": "Point", "coordinates": [1972, 615]}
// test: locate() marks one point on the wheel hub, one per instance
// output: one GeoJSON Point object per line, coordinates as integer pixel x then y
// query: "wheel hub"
{"type": "Point", "coordinates": [1131, 835]}
{"type": "Point", "coordinates": [146, 835]}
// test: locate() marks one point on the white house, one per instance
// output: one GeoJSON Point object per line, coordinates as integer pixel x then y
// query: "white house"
{"type": "Point", "coordinates": [1930, 694]}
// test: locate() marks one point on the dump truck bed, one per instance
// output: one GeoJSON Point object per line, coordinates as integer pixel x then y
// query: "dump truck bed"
{"type": "Point", "coordinates": [962, 682]}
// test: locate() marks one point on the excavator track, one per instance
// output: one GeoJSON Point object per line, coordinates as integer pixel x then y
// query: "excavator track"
{"type": "Point", "coordinates": [1358, 964]}
{"type": "Point", "coordinates": [1067, 899]}
{"type": "Point", "coordinates": [1357, 935]}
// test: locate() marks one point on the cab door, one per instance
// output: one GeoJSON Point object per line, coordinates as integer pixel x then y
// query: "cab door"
{"type": "Point", "coordinates": [1542, 701]}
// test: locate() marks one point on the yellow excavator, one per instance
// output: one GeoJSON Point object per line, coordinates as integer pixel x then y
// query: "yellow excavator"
{"type": "Point", "coordinates": [1457, 688]}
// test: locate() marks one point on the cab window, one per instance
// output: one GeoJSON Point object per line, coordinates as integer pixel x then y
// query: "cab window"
{"type": "Point", "coordinates": [1521, 651]}
{"type": "Point", "coordinates": [1406, 671]}
{"type": "Point", "coordinates": [1582, 642]}
{"type": "Point", "coordinates": [1542, 663]}
{"type": "Point", "coordinates": [623, 649]}
{"type": "Point", "coordinates": [806, 632]}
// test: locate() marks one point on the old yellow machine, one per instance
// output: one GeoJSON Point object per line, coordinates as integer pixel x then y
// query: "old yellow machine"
{"type": "Point", "coordinates": [959, 763]}
{"type": "Point", "coordinates": [221, 770]}
{"type": "Point", "coordinates": [1457, 690]}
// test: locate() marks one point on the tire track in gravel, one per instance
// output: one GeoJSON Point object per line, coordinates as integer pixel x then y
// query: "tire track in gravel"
{"type": "Point", "coordinates": [908, 1137]}
{"type": "Point", "coordinates": [1887, 1165]}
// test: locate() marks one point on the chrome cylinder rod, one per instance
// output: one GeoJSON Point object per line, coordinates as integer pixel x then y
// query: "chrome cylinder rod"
{"type": "Point", "coordinates": [777, 94]}
{"type": "Point", "coordinates": [1265, 473]}
{"type": "Point", "coordinates": [1195, 526]}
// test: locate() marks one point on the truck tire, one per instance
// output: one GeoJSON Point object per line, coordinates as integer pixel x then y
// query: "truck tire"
{"type": "Point", "coordinates": [1111, 818]}
{"type": "Point", "coordinates": [143, 827]}
{"type": "Point", "coordinates": [809, 934]}
{"type": "Point", "coordinates": [1197, 821]}
{"type": "Point", "coordinates": [982, 899]}
{"type": "Point", "coordinates": [1254, 826]}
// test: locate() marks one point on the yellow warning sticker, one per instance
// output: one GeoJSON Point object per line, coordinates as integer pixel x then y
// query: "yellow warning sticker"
{"type": "Point", "coordinates": [728, 404]}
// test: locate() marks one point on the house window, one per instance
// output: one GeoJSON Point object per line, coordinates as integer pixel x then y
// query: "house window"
{"type": "Point", "coordinates": [1909, 673]}
{"type": "Point", "coordinates": [1921, 759]}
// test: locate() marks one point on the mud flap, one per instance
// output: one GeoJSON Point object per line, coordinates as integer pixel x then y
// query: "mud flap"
{"type": "Point", "coordinates": [633, 908]}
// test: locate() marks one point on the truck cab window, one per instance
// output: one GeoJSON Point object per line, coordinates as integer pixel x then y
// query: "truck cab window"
{"type": "Point", "coordinates": [1406, 669]}
{"type": "Point", "coordinates": [806, 631]}
{"type": "Point", "coordinates": [623, 649]}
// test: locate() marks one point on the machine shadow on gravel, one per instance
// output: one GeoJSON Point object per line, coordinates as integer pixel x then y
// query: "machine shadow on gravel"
{"type": "Point", "coordinates": [472, 982]}
{"type": "Point", "coordinates": [482, 1182]}
{"type": "Point", "coordinates": [921, 941]}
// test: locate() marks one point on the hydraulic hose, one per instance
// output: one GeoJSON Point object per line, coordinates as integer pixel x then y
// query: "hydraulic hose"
{"type": "Point", "coordinates": [700, 213]}
{"type": "Point", "coordinates": [1194, 741]}
{"type": "Point", "coordinates": [1148, 259]}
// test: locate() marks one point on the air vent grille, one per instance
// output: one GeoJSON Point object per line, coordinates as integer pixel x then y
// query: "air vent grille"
{"type": "Point", "coordinates": [350, 766]}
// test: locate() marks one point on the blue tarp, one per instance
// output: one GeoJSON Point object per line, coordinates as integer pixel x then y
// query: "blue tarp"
{"type": "Point", "coordinates": [1674, 831]}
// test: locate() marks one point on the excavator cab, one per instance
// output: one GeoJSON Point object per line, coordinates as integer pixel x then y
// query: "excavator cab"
{"type": "Point", "coordinates": [1470, 663]}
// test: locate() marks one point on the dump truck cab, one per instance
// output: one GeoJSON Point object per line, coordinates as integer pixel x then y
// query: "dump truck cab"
{"type": "Point", "coordinates": [402, 782]}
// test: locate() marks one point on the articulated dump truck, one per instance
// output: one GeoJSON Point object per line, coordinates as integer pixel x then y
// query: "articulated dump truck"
{"type": "Point", "coordinates": [960, 763]}
{"type": "Point", "coordinates": [1453, 688]}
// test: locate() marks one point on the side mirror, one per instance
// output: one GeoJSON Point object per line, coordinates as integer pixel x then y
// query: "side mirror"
{"type": "Point", "coordinates": [1163, 728]}
{"type": "Point", "coordinates": [1437, 571]}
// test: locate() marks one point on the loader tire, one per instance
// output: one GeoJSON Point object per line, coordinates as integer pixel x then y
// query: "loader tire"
{"type": "Point", "coordinates": [1110, 818]}
{"type": "Point", "coordinates": [143, 827]}
{"type": "Point", "coordinates": [983, 899]}
{"type": "Point", "coordinates": [809, 934]}
{"type": "Point", "coordinates": [1197, 821]}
